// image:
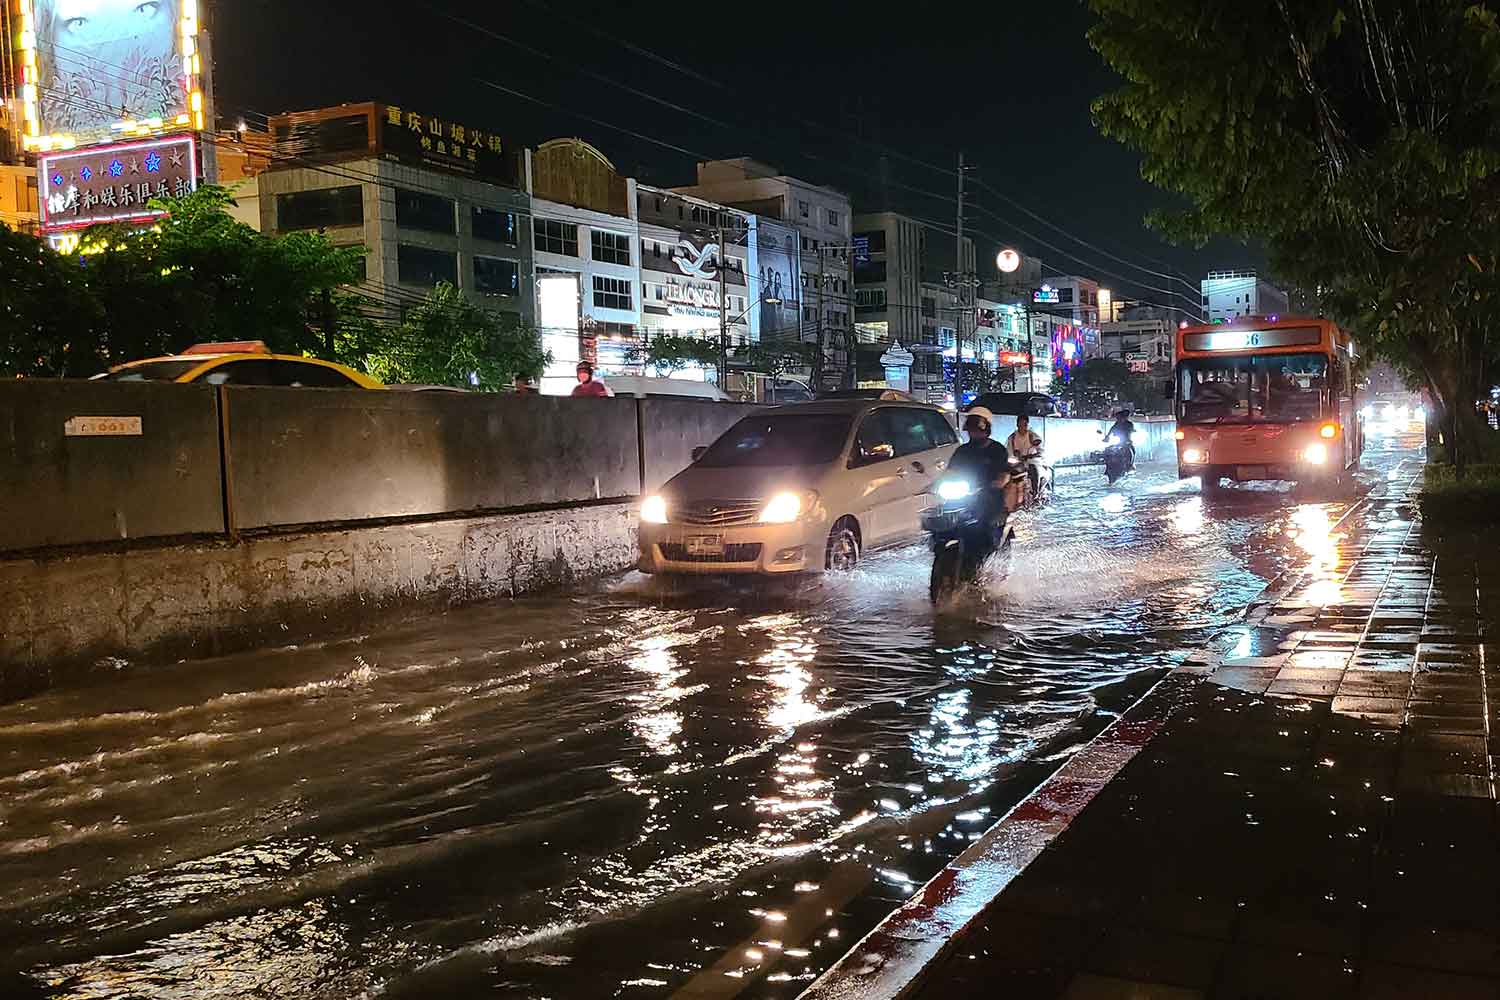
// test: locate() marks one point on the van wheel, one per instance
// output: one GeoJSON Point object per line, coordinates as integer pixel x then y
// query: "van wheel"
{"type": "Point", "coordinates": [843, 546]}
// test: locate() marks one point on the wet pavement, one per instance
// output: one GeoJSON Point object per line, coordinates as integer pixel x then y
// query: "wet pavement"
{"type": "Point", "coordinates": [626, 791]}
{"type": "Point", "coordinates": [1316, 816]}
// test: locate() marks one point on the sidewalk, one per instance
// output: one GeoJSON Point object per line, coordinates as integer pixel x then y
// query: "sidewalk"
{"type": "Point", "coordinates": [1312, 816]}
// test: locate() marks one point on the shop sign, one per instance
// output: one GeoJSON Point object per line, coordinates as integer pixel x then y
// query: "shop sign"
{"type": "Point", "coordinates": [445, 143]}
{"type": "Point", "coordinates": [114, 183]}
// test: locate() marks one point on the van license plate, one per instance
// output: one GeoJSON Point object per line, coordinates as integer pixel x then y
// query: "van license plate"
{"type": "Point", "coordinates": [705, 545]}
{"type": "Point", "coordinates": [1250, 472]}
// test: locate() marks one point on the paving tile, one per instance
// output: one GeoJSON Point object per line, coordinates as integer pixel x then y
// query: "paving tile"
{"type": "Point", "coordinates": [1092, 987]}
{"type": "Point", "coordinates": [1378, 710]}
{"type": "Point", "coordinates": [1299, 688]}
{"type": "Point", "coordinates": [1155, 956]}
{"type": "Point", "coordinates": [1253, 973]}
{"type": "Point", "coordinates": [1396, 982]}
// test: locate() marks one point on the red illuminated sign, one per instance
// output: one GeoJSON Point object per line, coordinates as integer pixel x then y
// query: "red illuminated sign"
{"type": "Point", "coordinates": [1015, 358]}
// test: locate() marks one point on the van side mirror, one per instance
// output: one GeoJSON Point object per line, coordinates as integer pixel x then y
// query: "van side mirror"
{"type": "Point", "coordinates": [882, 452]}
{"type": "Point", "coordinates": [699, 452]}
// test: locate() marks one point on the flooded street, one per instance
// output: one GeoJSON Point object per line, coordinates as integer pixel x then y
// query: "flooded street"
{"type": "Point", "coordinates": [621, 791]}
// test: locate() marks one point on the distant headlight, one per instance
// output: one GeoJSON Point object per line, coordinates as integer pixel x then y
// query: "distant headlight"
{"type": "Point", "coordinates": [1192, 456]}
{"type": "Point", "coordinates": [1315, 454]}
{"type": "Point", "coordinates": [784, 508]}
{"type": "Point", "coordinates": [953, 489]}
{"type": "Point", "coordinates": [654, 510]}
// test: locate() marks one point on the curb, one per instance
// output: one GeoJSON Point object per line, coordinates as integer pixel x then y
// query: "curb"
{"type": "Point", "coordinates": [890, 960]}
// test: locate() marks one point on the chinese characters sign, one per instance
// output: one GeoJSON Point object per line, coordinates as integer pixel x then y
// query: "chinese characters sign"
{"type": "Point", "coordinates": [115, 183]}
{"type": "Point", "coordinates": [445, 143]}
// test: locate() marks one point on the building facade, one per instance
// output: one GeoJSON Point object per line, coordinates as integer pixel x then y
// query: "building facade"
{"type": "Point", "coordinates": [820, 217]}
{"type": "Point", "coordinates": [422, 218]}
{"type": "Point", "coordinates": [1230, 295]}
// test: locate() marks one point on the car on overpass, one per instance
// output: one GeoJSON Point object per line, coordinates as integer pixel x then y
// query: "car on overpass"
{"type": "Point", "coordinates": [803, 488]}
{"type": "Point", "coordinates": [241, 362]}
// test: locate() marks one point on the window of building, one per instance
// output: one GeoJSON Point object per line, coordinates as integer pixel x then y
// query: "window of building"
{"type": "Point", "coordinates": [834, 218]}
{"type": "Point", "coordinates": [496, 276]}
{"type": "Point", "coordinates": [494, 225]}
{"type": "Point", "coordinates": [609, 248]}
{"type": "Point", "coordinates": [804, 209]}
{"type": "Point", "coordinates": [426, 212]}
{"type": "Point", "coordinates": [323, 209]}
{"type": "Point", "coordinates": [1065, 295]}
{"type": "Point", "coordinates": [551, 236]}
{"type": "Point", "coordinates": [869, 298]}
{"type": "Point", "coordinates": [875, 240]}
{"type": "Point", "coordinates": [611, 293]}
{"type": "Point", "coordinates": [929, 306]}
{"type": "Point", "coordinates": [809, 315]}
{"type": "Point", "coordinates": [424, 266]}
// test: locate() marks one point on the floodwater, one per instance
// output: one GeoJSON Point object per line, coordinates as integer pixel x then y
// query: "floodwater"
{"type": "Point", "coordinates": [617, 792]}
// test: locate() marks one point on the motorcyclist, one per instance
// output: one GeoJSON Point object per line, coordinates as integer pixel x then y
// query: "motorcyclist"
{"type": "Point", "coordinates": [982, 460]}
{"type": "Point", "coordinates": [1126, 430]}
{"type": "Point", "coordinates": [1026, 446]}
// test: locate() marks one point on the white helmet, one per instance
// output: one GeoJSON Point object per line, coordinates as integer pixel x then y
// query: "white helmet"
{"type": "Point", "coordinates": [980, 413]}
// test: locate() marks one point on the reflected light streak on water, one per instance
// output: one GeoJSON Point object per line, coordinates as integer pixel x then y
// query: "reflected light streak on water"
{"type": "Point", "coordinates": [470, 803]}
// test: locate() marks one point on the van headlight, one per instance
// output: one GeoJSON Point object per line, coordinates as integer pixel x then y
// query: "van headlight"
{"type": "Point", "coordinates": [784, 508]}
{"type": "Point", "coordinates": [954, 489]}
{"type": "Point", "coordinates": [654, 510]}
{"type": "Point", "coordinates": [1315, 454]}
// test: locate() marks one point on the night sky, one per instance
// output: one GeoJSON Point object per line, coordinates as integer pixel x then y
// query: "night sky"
{"type": "Point", "coordinates": [821, 90]}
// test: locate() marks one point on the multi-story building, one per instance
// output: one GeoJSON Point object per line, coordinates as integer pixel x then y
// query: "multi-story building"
{"type": "Point", "coordinates": [821, 218]}
{"type": "Point", "coordinates": [1228, 295]}
{"type": "Point", "coordinates": [586, 242]}
{"type": "Point", "coordinates": [429, 198]}
{"type": "Point", "coordinates": [1075, 299]}
{"type": "Point", "coordinates": [684, 289]}
{"type": "Point", "coordinates": [18, 207]}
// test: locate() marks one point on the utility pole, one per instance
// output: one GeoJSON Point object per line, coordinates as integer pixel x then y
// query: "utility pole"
{"type": "Point", "coordinates": [958, 346]}
{"type": "Point", "coordinates": [723, 319]}
{"type": "Point", "coordinates": [818, 378]}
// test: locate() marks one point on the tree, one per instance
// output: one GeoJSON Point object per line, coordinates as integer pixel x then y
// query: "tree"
{"type": "Point", "coordinates": [46, 311]}
{"type": "Point", "coordinates": [671, 353]}
{"type": "Point", "coordinates": [1099, 387]}
{"type": "Point", "coordinates": [448, 340]}
{"type": "Point", "coordinates": [1359, 141]}
{"type": "Point", "coordinates": [775, 358]}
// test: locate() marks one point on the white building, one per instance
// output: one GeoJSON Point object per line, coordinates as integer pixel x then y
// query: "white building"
{"type": "Point", "coordinates": [585, 238]}
{"type": "Point", "coordinates": [821, 217]}
{"type": "Point", "coordinates": [1229, 295]}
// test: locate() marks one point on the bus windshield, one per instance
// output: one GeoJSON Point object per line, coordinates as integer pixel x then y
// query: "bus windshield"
{"type": "Point", "coordinates": [1253, 389]}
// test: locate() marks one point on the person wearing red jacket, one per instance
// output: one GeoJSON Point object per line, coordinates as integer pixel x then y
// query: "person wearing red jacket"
{"type": "Point", "coordinates": [587, 384]}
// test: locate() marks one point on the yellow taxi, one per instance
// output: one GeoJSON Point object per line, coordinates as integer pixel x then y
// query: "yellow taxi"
{"type": "Point", "coordinates": [241, 362]}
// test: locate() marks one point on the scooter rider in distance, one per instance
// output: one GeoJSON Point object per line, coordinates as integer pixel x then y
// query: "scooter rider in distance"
{"type": "Point", "coordinates": [1126, 431]}
{"type": "Point", "coordinates": [1026, 447]}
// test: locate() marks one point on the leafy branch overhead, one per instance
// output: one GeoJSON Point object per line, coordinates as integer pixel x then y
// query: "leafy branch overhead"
{"type": "Point", "coordinates": [1359, 141]}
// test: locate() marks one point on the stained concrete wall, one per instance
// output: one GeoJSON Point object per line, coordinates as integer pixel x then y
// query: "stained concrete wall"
{"type": "Point", "coordinates": [61, 614]}
{"type": "Point", "coordinates": [61, 490]}
{"type": "Point", "coordinates": [307, 456]}
{"type": "Point", "coordinates": [1070, 441]}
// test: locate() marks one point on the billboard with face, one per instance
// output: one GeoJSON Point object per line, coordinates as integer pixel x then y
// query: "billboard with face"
{"type": "Point", "coordinates": [109, 69]}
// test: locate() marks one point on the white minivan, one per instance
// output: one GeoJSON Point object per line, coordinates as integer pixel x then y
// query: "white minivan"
{"type": "Point", "coordinates": [799, 489]}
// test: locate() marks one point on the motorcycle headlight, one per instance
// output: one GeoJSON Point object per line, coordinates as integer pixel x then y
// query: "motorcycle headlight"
{"type": "Point", "coordinates": [784, 508]}
{"type": "Point", "coordinates": [654, 510]}
{"type": "Point", "coordinates": [1113, 439]}
{"type": "Point", "coordinates": [1315, 454]}
{"type": "Point", "coordinates": [954, 489]}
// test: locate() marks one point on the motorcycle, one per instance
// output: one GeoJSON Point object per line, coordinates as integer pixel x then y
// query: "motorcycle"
{"type": "Point", "coordinates": [1118, 459]}
{"type": "Point", "coordinates": [965, 534]}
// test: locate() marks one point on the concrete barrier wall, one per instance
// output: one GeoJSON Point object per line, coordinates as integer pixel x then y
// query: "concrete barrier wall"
{"type": "Point", "coordinates": [308, 456]}
{"type": "Point", "coordinates": [62, 614]}
{"type": "Point", "coordinates": [671, 429]}
{"type": "Point", "coordinates": [1068, 440]}
{"type": "Point", "coordinates": [99, 486]}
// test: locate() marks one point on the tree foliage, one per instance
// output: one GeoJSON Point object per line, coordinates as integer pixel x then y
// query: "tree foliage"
{"type": "Point", "coordinates": [1359, 140]}
{"type": "Point", "coordinates": [671, 353]}
{"type": "Point", "coordinates": [448, 340]}
{"type": "Point", "coordinates": [1099, 387]}
{"type": "Point", "coordinates": [776, 358]}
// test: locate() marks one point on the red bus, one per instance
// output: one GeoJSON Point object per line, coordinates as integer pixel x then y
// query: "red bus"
{"type": "Point", "coordinates": [1265, 398]}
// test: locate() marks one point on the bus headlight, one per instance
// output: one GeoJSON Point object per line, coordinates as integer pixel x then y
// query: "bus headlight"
{"type": "Point", "coordinates": [654, 510]}
{"type": "Point", "coordinates": [1315, 454]}
{"type": "Point", "coordinates": [1193, 456]}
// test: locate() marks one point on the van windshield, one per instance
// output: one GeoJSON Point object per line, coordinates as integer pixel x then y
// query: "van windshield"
{"type": "Point", "coordinates": [787, 439]}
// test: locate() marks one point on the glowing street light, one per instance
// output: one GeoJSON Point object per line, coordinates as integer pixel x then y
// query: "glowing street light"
{"type": "Point", "coordinates": [1007, 261]}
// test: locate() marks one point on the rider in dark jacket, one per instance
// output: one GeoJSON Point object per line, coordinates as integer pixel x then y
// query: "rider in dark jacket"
{"type": "Point", "coordinates": [1123, 427]}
